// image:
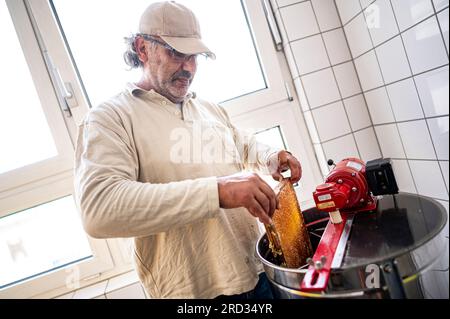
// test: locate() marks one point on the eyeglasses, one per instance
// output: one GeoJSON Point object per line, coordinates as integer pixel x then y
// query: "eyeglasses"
{"type": "Point", "coordinates": [174, 54]}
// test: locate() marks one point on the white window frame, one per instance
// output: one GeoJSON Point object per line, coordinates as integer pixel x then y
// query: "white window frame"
{"type": "Point", "coordinates": [48, 180]}
{"type": "Point", "coordinates": [270, 64]}
{"type": "Point", "coordinates": [49, 103]}
{"type": "Point", "coordinates": [71, 276]}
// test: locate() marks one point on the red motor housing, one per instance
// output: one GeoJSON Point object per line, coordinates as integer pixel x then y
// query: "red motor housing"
{"type": "Point", "coordinates": [345, 188]}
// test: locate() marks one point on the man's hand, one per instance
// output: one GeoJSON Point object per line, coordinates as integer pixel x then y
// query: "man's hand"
{"type": "Point", "coordinates": [250, 191]}
{"type": "Point", "coordinates": [281, 162]}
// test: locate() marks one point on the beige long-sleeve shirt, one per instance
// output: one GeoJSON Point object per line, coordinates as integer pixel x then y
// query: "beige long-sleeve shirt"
{"type": "Point", "coordinates": [146, 169]}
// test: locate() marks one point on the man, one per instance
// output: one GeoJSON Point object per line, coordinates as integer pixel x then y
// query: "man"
{"type": "Point", "coordinates": [192, 216]}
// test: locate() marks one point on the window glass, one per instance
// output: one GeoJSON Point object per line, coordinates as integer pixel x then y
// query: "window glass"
{"type": "Point", "coordinates": [39, 240]}
{"type": "Point", "coordinates": [25, 136]}
{"type": "Point", "coordinates": [97, 46]}
{"type": "Point", "coordinates": [272, 137]}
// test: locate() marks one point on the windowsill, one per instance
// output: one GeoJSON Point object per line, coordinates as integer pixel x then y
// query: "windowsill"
{"type": "Point", "coordinates": [103, 289]}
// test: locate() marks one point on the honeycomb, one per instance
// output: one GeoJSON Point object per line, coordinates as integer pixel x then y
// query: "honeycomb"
{"type": "Point", "coordinates": [288, 236]}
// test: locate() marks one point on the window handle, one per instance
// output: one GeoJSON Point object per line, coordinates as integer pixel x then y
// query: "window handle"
{"type": "Point", "coordinates": [65, 92]}
{"type": "Point", "coordinates": [288, 92]}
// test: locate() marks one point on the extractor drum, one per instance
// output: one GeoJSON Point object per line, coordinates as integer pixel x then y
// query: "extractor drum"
{"type": "Point", "coordinates": [399, 250]}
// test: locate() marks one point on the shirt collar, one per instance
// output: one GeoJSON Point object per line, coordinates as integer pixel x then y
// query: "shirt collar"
{"type": "Point", "coordinates": [134, 90]}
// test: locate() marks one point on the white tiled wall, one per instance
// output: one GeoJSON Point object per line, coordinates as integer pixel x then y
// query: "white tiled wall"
{"type": "Point", "coordinates": [372, 78]}
{"type": "Point", "coordinates": [404, 77]}
{"type": "Point", "coordinates": [326, 78]}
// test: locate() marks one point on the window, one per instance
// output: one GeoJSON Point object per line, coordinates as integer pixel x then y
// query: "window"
{"type": "Point", "coordinates": [40, 240]}
{"type": "Point", "coordinates": [236, 71]}
{"type": "Point", "coordinates": [26, 139]}
{"type": "Point", "coordinates": [40, 232]}
{"type": "Point", "coordinates": [33, 136]}
{"type": "Point", "coordinates": [272, 137]}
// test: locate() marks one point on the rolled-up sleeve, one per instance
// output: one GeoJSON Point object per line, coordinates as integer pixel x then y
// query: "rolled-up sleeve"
{"type": "Point", "coordinates": [113, 203]}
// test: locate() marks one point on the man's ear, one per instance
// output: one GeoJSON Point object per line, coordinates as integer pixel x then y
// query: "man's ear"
{"type": "Point", "coordinates": [141, 49]}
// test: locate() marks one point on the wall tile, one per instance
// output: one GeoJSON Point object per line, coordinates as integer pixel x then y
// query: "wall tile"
{"type": "Point", "coordinates": [403, 176]}
{"type": "Point", "coordinates": [341, 148]}
{"type": "Point", "coordinates": [357, 112]}
{"type": "Point", "coordinates": [446, 207]}
{"type": "Point", "coordinates": [425, 47]}
{"type": "Point", "coordinates": [440, 4]}
{"type": "Point", "coordinates": [282, 3]}
{"type": "Point", "coordinates": [410, 12]}
{"type": "Point", "coordinates": [416, 140]}
{"type": "Point", "coordinates": [301, 94]}
{"type": "Point", "coordinates": [314, 84]}
{"type": "Point", "coordinates": [348, 9]}
{"type": "Point", "coordinates": [381, 21]}
{"type": "Point", "coordinates": [347, 79]}
{"type": "Point", "coordinates": [121, 281]}
{"type": "Point", "coordinates": [311, 127]}
{"type": "Point", "coordinates": [405, 100]}
{"type": "Point", "coordinates": [393, 62]}
{"type": "Point", "coordinates": [439, 134]}
{"type": "Point", "coordinates": [434, 91]}
{"type": "Point", "coordinates": [379, 106]}
{"type": "Point", "coordinates": [310, 54]}
{"type": "Point", "coordinates": [91, 292]}
{"type": "Point", "coordinates": [428, 178]}
{"type": "Point", "coordinates": [358, 36]}
{"type": "Point", "coordinates": [336, 45]}
{"type": "Point", "coordinates": [366, 3]}
{"type": "Point", "coordinates": [443, 22]}
{"type": "Point", "coordinates": [444, 167]}
{"type": "Point", "coordinates": [134, 291]}
{"type": "Point", "coordinates": [299, 20]}
{"type": "Point", "coordinates": [291, 61]}
{"type": "Point", "coordinates": [368, 71]}
{"type": "Point", "coordinates": [367, 144]}
{"type": "Point", "coordinates": [324, 168]}
{"type": "Point", "coordinates": [443, 262]}
{"type": "Point", "coordinates": [66, 296]}
{"type": "Point", "coordinates": [446, 231]}
{"type": "Point", "coordinates": [389, 139]}
{"type": "Point", "coordinates": [326, 14]}
{"type": "Point", "coordinates": [331, 121]}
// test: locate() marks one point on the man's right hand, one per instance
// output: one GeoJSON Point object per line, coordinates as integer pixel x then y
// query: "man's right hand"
{"type": "Point", "coordinates": [250, 191]}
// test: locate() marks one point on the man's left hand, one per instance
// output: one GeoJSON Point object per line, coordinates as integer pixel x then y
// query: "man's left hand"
{"type": "Point", "coordinates": [281, 162]}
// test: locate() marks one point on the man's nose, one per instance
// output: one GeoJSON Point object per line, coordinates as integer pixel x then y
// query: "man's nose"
{"type": "Point", "coordinates": [190, 65]}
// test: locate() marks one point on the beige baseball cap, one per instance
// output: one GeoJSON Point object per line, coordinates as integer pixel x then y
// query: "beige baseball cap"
{"type": "Point", "coordinates": [176, 25]}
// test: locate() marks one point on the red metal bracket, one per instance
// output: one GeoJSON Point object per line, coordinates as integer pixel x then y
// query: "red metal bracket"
{"type": "Point", "coordinates": [331, 246]}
